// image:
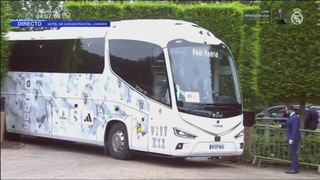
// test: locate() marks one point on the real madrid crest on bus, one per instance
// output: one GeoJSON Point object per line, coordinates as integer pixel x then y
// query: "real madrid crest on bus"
{"type": "Point", "coordinates": [296, 17]}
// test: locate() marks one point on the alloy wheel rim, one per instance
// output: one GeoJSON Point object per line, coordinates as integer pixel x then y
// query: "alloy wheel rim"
{"type": "Point", "coordinates": [118, 141]}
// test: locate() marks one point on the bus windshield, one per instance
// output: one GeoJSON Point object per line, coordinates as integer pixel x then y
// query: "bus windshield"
{"type": "Point", "coordinates": [204, 76]}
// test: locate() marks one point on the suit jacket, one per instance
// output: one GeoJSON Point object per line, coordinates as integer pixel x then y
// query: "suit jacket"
{"type": "Point", "coordinates": [293, 128]}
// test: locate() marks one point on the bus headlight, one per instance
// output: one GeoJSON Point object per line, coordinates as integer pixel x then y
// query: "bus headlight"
{"type": "Point", "coordinates": [239, 135]}
{"type": "Point", "coordinates": [183, 134]}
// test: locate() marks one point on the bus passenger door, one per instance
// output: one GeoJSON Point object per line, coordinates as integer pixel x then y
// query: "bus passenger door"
{"type": "Point", "coordinates": [139, 130]}
{"type": "Point", "coordinates": [159, 138]}
{"type": "Point", "coordinates": [159, 113]}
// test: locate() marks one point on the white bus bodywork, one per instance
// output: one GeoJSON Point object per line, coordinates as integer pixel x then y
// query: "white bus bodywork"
{"type": "Point", "coordinates": [83, 107]}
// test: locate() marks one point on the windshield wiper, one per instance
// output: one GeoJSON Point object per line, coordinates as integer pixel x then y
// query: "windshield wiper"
{"type": "Point", "coordinates": [229, 106]}
{"type": "Point", "coordinates": [195, 112]}
{"type": "Point", "coordinates": [184, 109]}
{"type": "Point", "coordinates": [201, 106]}
{"type": "Point", "coordinates": [214, 106]}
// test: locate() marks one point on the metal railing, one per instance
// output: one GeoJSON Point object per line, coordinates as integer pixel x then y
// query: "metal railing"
{"type": "Point", "coordinates": [267, 143]}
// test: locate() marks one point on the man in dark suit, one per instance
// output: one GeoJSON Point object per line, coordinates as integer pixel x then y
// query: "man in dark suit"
{"type": "Point", "coordinates": [293, 137]}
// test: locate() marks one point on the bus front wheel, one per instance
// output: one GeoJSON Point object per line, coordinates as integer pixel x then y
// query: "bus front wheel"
{"type": "Point", "coordinates": [118, 145]}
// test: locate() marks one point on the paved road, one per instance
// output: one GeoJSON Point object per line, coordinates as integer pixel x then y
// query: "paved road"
{"type": "Point", "coordinates": [47, 159]}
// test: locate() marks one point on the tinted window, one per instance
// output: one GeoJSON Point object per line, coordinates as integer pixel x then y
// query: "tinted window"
{"type": "Point", "coordinates": [142, 65]}
{"type": "Point", "coordinates": [33, 56]}
{"type": "Point", "coordinates": [65, 56]}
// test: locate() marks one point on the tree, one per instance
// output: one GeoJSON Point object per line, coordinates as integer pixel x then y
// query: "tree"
{"type": "Point", "coordinates": [37, 9]}
{"type": "Point", "coordinates": [5, 20]}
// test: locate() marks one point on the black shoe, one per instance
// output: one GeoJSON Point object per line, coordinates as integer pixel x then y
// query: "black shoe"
{"type": "Point", "coordinates": [292, 172]}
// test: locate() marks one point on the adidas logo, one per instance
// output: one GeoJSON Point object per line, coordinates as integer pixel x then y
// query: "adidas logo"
{"type": "Point", "coordinates": [88, 118]}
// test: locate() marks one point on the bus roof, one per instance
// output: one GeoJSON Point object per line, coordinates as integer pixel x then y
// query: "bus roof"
{"type": "Point", "coordinates": [159, 31]}
{"type": "Point", "coordinates": [62, 33]}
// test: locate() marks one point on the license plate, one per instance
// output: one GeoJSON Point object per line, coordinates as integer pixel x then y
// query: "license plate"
{"type": "Point", "coordinates": [216, 146]}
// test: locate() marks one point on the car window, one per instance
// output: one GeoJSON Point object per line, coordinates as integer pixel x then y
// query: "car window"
{"type": "Point", "coordinates": [276, 112]}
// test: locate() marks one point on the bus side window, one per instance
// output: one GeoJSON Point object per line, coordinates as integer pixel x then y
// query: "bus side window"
{"type": "Point", "coordinates": [33, 56]}
{"type": "Point", "coordinates": [91, 55]}
{"type": "Point", "coordinates": [138, 63]}
{"type": "Point", "coordinates": [161, 89]}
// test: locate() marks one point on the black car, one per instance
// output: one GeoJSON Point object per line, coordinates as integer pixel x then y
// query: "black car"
{"type": "Point", "coordinates": [275, 113]}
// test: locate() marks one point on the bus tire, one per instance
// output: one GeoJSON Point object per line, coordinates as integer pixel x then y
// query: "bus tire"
{"type": "Point", "coordinates": [118, 146]}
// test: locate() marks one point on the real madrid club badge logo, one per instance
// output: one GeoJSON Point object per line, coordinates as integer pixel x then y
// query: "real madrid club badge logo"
{"type": "Point", "coordinates": [296, 17]}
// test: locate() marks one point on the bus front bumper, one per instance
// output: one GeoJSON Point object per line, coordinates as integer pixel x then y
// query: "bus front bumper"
{"type": "Point", "coordinates": [208, 149]}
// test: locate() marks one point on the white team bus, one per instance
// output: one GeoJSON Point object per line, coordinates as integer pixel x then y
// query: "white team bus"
{"type": "Point", "coordinates": [167, 87]}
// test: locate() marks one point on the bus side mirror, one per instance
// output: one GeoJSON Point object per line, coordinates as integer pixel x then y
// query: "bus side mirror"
{"type": "Point", "coordinates": [249, 119]}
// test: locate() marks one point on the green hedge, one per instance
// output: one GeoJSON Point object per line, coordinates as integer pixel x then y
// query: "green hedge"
{"type": "Point", "coordinates": [289, 59]}
{"type": "Point", "coordinates": [247, 61]}
{"type": "Point", "coordinates": [152, 11]}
